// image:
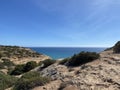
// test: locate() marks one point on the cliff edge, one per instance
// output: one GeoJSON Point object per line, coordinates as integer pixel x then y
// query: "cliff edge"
{"type": "Point", "coordinates": [101, 74]}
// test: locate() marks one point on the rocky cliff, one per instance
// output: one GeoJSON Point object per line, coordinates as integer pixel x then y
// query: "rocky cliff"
{"type": "Point", "coordinates": [101, 74]}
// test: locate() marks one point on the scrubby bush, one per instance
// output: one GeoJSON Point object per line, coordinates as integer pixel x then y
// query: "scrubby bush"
{"type": "Point", "coordinates": [1, 65]}
{"type": "Point", "coordinates": [6, 81]}
{"type": "Point", "coordinates": [30, 80]}
{"type": "Point", "coordinates": [29, 66]}
{"type": "Point", "coordinates": [116, 48]}
{"type": "Point", "coordinates": [18, 70]}
{"type": "Point", "coordinates": [62, 62]}
{"type": "Point", "coordinates": [7, 62]}
{"type": "Point", "coordinates": [0, 55]}
{"type": "Point", "coordinates": [47, 63]}
{"type": "Point", "coordinates": [82, 58]}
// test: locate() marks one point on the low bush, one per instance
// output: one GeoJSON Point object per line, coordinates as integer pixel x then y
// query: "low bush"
{"type": "Point", "coordinates": [1, 65]}
{"type": "Point", "coordinates": [0, 55]}
{"type": "Point", "coordinates": [8, 63]}
{"type": "Point", "coordinates": [6, 81]}
{"type": "Point", "coordinates": [116, 48]}
{"type": "Point", "coordinates": [19, 69]}
{"type": "Point", "coordinates": [30, 80]}
{"type": "Point", "coordinates": [62, 62]}
{"type": "Point", "coordinates": [47, 63]}
{"type": "Point", "coordinates": [29, 66]}
{"type": "Point", "coordinates": [82, 58]}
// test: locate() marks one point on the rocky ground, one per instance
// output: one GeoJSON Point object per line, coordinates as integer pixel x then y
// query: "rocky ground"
{"type": "Point", "coordinates": [102, 74]}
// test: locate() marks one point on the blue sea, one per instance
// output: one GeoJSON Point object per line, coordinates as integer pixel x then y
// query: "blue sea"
{"type": "Point", "coordinates": [63, 52]}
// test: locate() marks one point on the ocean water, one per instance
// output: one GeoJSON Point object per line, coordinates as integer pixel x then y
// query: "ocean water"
{"type": "Point", "coordinates": [63, 52]}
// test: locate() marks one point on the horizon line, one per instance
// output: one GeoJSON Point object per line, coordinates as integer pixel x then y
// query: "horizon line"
{"type": "Point", "coordinates": [61, 46]}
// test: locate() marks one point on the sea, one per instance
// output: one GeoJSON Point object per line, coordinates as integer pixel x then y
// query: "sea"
{"type": "Point", "coordinates": [64, 52]}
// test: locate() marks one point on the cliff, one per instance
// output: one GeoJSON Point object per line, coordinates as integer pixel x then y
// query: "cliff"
{"type": "Point", "coordinates": [101, 74]}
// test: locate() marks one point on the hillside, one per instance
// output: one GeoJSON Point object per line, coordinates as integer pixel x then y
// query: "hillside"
{"type": "Point", "coordinates": [100, 74]}
{"type": "Point", "coordinates": [20, 55]}
{"type": "Point", "coordinates": [10, 56]}
{"type": "Point", "coordinates": [92, 72]}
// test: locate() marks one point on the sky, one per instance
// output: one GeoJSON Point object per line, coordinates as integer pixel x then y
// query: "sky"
{"type": "Point", "coordinates": [60, 23]}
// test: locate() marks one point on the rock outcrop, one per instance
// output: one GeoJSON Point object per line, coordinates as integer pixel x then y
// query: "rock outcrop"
{"type": "Point", "coordinates": [101, 74]}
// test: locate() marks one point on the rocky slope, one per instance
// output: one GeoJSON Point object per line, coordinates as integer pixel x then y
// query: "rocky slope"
{"type": "Point", "coordinates": [14, 55]}
{"type": "Point", "coordinates": [101, 74]}
{"type": "Point", "coordinates": [20, 55]}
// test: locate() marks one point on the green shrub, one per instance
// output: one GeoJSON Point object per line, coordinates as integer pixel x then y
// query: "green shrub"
{"type": "Point", "coordinates": [18, 70]}
{"type": "Point", "coordinates": [6, 81]}
{"type": "Point", "coordinates": [116, 48]}
{"type": "Point", "coordinates": [29, 66]}
{"type": "Point", "coordinates": [1, 65]}
{"type": "Point", "coordinates": [8, 63]}
{"type": "Point", "coordinates": [47, 63]}
{"type": "Point", "coordinates": [0, 55]}
{"type": "Point", "coordinates": [30, 80]}
{"type": "Point", "coordinates": [62, 62]}
{"type": "Point", "coordinates": [82, 58]}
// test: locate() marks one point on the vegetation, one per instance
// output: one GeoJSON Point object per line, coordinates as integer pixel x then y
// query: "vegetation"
{"type": "Point", "coordinates": [29, 66]}
{"type": "Point", "coordinates": [30, 80]}
{"type": "Point", "coordinates": [6, 63]}
{"type": "Point", "coordinates": [47, 63]}
{"type": "Point", "coordinates": [1, 65]}
{"type": "Point", "coordinates": [111, 48]}
{"type": "Point", "coordinates": [116, 48]}
{"type": "Point", "coordinates": [64, 61]}
{"type": "Point", "coordinates": [19, 69]}
{"type": "Point", "coordinates": [0, 55]}
{"type": "Point", "coordinates": [15, 51]}
{"type": "Point", "coordinates": [6, 81]}
{"type": "Point", "coordinates": [82, 58]}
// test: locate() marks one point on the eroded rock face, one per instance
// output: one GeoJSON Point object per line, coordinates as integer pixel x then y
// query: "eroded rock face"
{"type": "Point", "coordinates": [102, 74]}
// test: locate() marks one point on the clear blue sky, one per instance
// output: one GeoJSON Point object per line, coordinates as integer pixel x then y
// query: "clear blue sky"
{"type": "Point", "coordinates": [60, 22]}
